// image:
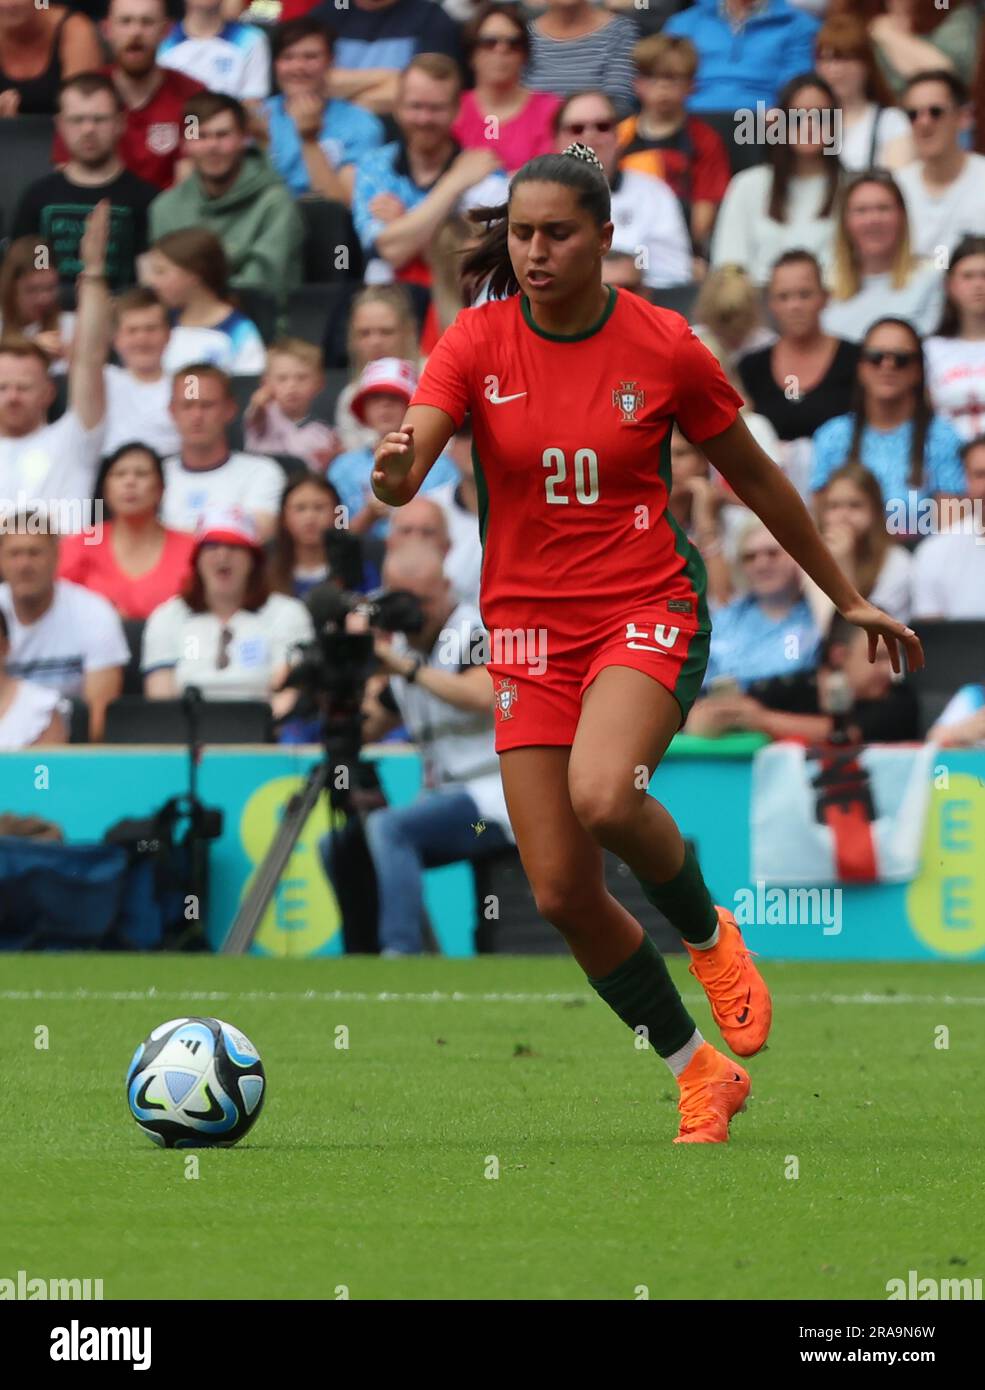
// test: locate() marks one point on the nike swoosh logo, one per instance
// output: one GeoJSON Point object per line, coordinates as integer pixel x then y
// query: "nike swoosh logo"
{"type": "Point", "coordinates": [741, 1018]}
{"type": "Point", "coordinates": [501, 400]}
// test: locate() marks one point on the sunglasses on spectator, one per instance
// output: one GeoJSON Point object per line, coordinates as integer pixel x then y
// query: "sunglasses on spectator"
{"type": "Point", "coordinates": [877, 358]}
{"type": "Point", "coordinates": [580, 127]}
{"type": "Point", "coordinates": [934, 112]}
{"type": "Point", "coordinates": [846, 55]}
{"type": "Point", "coordinates": [488, 42]}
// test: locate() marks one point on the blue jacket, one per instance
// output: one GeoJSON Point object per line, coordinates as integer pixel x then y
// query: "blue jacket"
{"type": "Point", "coordinates": [739, 67]}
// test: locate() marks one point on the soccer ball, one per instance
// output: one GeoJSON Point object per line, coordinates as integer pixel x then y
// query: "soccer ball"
{"type": "Point", "coordinates": [195, 1082]}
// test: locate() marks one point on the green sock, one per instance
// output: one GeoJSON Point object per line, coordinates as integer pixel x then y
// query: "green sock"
{"type": "Point", "coordinates": [684, 900]}
{"type": "Point", "coordinates": [641, 992]}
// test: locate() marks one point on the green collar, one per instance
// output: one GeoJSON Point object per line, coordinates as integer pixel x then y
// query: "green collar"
{"type": "Point", "coordinates": [568, 337]}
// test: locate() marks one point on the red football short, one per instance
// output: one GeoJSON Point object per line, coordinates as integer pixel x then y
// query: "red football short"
{"type": "Point", "coordinates": [539, 676]}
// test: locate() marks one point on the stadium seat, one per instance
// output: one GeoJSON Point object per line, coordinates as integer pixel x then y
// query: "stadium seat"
{"type": "Point", "coordinates": [60, 403]}
{"type": "Point", "coordinates": [327, 227]}
{"type": "Point", "coordinates": [242, 388]}
{"type": "Point", "coordinates": [25, 156]}
{"type": "Point", "coordinates": [261, 307]}
{"type": "Point", "coordinates": [323, 406]}
{"type": "Point", "coordinates": [132, 719]}
{"type": "Point", "coordinates": [740, 156]}
{"type": "Point", "coordinates": [133, 681]}
{"type": "Point", "coordinates": [320, 314]}
{"type": "Point", "coordinates": [293, 466]}
{"type": "Point", "coordinates": [955, 653]}
{"type": "Point", "coordinates": [78, 720]}
{"type": "Point", "coordinates": [678, 297]}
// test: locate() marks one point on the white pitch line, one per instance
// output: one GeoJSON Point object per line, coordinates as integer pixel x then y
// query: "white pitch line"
{"type": "Point", "coordinates": [341, 996]}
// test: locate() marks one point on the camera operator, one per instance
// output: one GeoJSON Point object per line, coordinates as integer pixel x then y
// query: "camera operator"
{"type": "Point", "coordinates": [446, 702]}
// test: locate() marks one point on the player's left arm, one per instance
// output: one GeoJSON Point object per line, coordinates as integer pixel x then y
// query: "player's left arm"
{"type": "Point", "coordinates": [766, 490]}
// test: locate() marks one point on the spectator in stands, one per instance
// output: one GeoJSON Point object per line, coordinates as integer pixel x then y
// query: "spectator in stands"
{"type": "Point", "coordinates": [234, 193]}
{"type": "Point", "coordinates": [385, 389]}
{"type": "Point", "coordinates": [406, 191]}
{"type": "Point", "coordinates": [729, 309]}
{"type": "Point", "coordinates": [29, 300]}
{"type": "Point", "coordinates": [875, 272]}
{"type": "Point", "coordinates": [807, 375]}
{"type": "Point", "coordinates": [955, 354]}
{"type": "Point", "coordinates": [278, 419]}
{"type": "Point", "coordinates": [41, 46]}
{"type": "Point", "coordinates": [852, 521]}
{"type": "Point", "coordinates": [135, 562]}
{"type": "Point", "coordinates": [315, 140]}
{"type": "Point", "coordinates": [944, 186]}
{"type": "Point", "coordinates": [381, 324]}
{"type": "Point", "coordinates": [962, 723]}
{"type": "Point", "coordinates": [29, 713]}
{"type": "Point", "coordinates": [769, 632]}
{"type": "Point", "coordinates": [376, 42]}
{"type": "Point", "coordinates": [206, 474]}
{"type": "Point", "coordinates": [460, 501]}
{"type": "Point", "coordinates": [912, 35]}
{"type": "Point", "coordinates": [225, 632]}
{"type": "Point", "coordinates": [891, 427]}
{"type": "Point", "coordinates": [224, 55]}
{"type": "Point", "coordinates": [298, 562]}
{"type": "Point", "coordinates": [881, 708]}
{"type": "Point", "coordinates": [57, 462]}
{"type": "Point", "coordinates": [445, 698]}
{"type": "Point", "coordinates": [575, 45]}
{"type": "Point", "coordinates": [153, 97]}
{"type": "Point", "coordinates": [138, 391]}
{"type": "Point", "coordinates": [61, 635]}
{"type": "Point", "coordinates": [651, 245]}
{"type": "Point", "coordinates": [747, 50]}
{"type": "Point", "coordinates": [875, 133]}
{"type": "Point", "coordinates": [704, 512]}
{"type": "Point", "coordinates": [188, 272]}
{"type": "Point", "coordinates": [90, 122]}
{"type": "Point", "coordinates": [663, 140]}
{"type": "Point", "coordinates": [949, 568]}
{"type": "Point", "coordinates": [787, 204]}
{"type": "Point", "coordinates": [499, 112]}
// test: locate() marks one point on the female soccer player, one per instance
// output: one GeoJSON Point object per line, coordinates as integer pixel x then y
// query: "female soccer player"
{"type": "Point", "coordinates": [573, 388]}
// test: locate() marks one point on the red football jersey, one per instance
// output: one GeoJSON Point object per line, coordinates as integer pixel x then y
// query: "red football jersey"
{"type": "Point", "coordinates": [572, 455]}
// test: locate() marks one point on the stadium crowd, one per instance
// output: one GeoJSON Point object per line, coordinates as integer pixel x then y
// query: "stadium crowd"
{"type": "Point", "coordinates": [231, 237]}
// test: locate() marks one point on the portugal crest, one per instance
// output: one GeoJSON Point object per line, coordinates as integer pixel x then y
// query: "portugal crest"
{"type": "Point", "coordinates": [629, 398]}
{"type": "Point", "coordinates": [506, 696]}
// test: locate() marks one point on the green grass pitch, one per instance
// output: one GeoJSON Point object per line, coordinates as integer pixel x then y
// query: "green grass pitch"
{"type": "Point", "coordinates": [367, 1168]}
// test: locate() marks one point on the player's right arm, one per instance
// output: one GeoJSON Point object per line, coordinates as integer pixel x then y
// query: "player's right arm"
{"type": "Point", "coordinates": [404, 457]}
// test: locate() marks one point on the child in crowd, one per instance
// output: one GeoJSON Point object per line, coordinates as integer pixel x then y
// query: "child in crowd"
{"type": "Point", "coordinates": [138, 392]}
{"type": "Point", "coordinates": [189, 273]}
{"type": "Point", "coordinates": [278, 419]}
{"type": "Point", "coordinates": [221, 53]}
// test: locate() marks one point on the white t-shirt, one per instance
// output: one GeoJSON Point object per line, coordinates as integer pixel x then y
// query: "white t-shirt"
{"type": "Point", "coordinates": [188, 643]}
{"type": "Point", "coordinates": [234, 346]}
{"type": "Point", "coordinates": [649, 224]}
{"type": "Point", "coordinates": [856, 141]}
{"type": "Point", "coordinates": [29, 714]}
{"type": "Point", "coordinates": [249, 481]}
{"type": "Point", "coordinates": [463, 563]}
{"type": "Point", "coordinates": [956, 382]}
{"type": "Point", "coordinates": [235, 62]}
{"type": "Point", "coordinates": [919, 302]}
{"type": "Point", "coordinates": [949, 576]}
{"type": "Point", "coordinates": [892, 591]}
{"type": "Point", "coordinates": [458, 747]}
{"type": "Point", "coordinates": [138, 411]}
{"type": "Point", "coordinates": [80, 632]}
{"type": "Point", "coordinates": [54, 464]}
{"type": "Point", "coordinates": [745, 234]}
{"type": "Point", "coordinates": [944, 217]}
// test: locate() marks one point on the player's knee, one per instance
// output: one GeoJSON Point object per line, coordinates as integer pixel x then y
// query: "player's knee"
{"type": "Point", "coordinates": [604, 807]}
{"type": "Point", "coordinates": [559, 902]}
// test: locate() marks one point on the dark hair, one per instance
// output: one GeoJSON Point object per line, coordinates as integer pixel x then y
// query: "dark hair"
{"type": "Point", "coordinates": [557, 120]}
{"type": "Point", "coordinates": [950, 324]}
{"type": "Point", "coordinates": [782, 156]}
{"type": "Point", "coordinates": [280, 565]}
{"type": "Point", "coordinates": [954, 84]}
{"type": "Point", "coordinates": [977, 442]}
{"type": "Point", "coordinates": [132, 301]}
{"type": "Point", "coordinates": [88, 84]}
{"type": "Point", "coordinates": [798, 256]}
{"type": "Point", "coordinates": [133, 446]}
{"type": "Point", "coordinates": [491, 256]}
{"type": "Point", "coordinates": [255, 595]}
{"type": "Point", "coordinates": [204, 369]}
{"type": "Point", "coordinates": [922, 414]}
{"type": "Point", "coordinates": [199, 252]}
{"type": "Point", "coordinates": [294, 30]}
{"type": "Point", "coordinates": [21, 260]}
{"type": "Point", "coordinates": [470, 31]}
{"type": "Point", "coordinates": [4, 629]}
{"type": "Point", "coordinates": [205, 106]}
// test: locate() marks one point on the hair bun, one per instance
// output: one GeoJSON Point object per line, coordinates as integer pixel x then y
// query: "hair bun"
{"type": "Point", "coordinates": [585, 153]}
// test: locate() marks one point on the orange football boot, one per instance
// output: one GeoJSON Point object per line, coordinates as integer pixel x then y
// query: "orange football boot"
{"type": "Point", "coordinates": [740, 1002]}
{"type": "Point", "coordinates": [713, 1089]}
